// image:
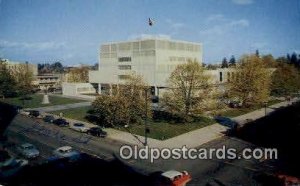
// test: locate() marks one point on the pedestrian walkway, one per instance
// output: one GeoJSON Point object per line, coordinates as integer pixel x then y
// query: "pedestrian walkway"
{"type": "Point", "coordinates": [197, 137]}
{"type": "Point", "coordinates": [63, 107]}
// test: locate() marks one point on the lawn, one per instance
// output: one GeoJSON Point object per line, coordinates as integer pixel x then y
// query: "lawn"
{"type": "Point", "coordinates": [240, 111]}
{"type": "Point", "coordinates": [160, 130]}
{"type": "Point", "coordinates": [163, 130]}
{"type": "Point", "coordinates": [75, 113]}
{"type": "Point", "coordinates": [36, 101]}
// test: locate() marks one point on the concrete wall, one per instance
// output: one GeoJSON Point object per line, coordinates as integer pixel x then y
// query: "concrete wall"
{"type": "Point", "coordinates": [153, 58]}
{"type": "Point", "coordinates": [74, 89]}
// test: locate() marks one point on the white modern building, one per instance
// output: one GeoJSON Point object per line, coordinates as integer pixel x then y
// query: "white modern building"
{"type": "Point", "coordinates": [153, 57]}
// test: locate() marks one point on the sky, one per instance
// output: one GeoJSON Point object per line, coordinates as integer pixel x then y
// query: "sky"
{"type": "Point", "coordinates": [71, 31]}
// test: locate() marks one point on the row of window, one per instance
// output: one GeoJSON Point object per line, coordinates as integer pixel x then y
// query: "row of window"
{"type": "Point", "coordinates": [124, 59]}
{"type": "Point", "coordinates": [124, 67]}
{"type": "Point", "coordinates": [149, 44]}
{"type": "Point", "coordinates": [182, 59]}
{"type": "Point", "coordinates": [124, 77]}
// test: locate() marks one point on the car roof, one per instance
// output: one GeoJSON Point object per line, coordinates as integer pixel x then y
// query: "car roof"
{"type": "Point", "coordinates": [64, 148]}
{"type": "Point", "coordinates": [26, 145]}
{"type": "Point", "coordinates": [171, 174]}
{"type": "Point", "coordinates": [78, 124]}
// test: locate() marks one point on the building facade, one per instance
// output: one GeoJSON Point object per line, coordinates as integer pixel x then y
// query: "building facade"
{"type": "Point", "coordinates": [154, 58]}
{"type": "Point", "coordinates": [14, 65]}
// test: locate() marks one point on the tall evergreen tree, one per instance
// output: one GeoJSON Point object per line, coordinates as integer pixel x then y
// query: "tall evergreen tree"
{"type": "Point", "coordinates": [224, 63]}
{"type": "Point", "coordinates": [232, 61]}
{"type": "Point", "coordinates": [257, 53]}
{"type": "Point", "coordinates": [288, 57]}
{"type": "Point", "coordinates": [294, 59]}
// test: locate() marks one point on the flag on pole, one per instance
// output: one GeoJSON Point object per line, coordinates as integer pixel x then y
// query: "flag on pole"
{"type": "Point", "coordinates": [150, 22]}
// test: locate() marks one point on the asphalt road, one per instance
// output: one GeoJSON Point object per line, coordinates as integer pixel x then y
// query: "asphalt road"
{"type": "Point", "coordinates": [47, 137]}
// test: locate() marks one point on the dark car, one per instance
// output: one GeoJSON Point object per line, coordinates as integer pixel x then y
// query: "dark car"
{"type": "Point", "coordinates": [226, 122]}
{"type": "Point", "coordinates": [49, 118]}
{"type": "Point", "coordinates": [61, 122]}
{"type": "Point", "coordinates": [34, 113]}
{"type": "Point", "coordinates": [97, 131]}
{"type": "Point", "coordinates": [235, 104]}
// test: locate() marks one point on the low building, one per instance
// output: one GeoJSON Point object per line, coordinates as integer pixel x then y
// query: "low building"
{"type": "Point", "coordinates": [46, 81]}
{"type": "Point", "coordinates": [77, 89]}
{"type": "Point", "coordinates": [15, 65]}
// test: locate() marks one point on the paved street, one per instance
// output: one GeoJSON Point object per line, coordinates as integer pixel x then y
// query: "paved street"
{"type": "Point", "coordinates": [47, 137]}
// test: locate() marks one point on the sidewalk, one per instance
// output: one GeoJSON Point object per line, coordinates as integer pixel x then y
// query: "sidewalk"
{"type": "Point", "coordinates": [194, 138]}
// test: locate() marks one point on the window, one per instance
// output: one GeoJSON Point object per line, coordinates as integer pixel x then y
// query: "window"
{"type": "Point", "coordinates": [221, 76]}
{"type": "Point", "coordinates": [124, 77]}
{"type": "Point", "coordinates": [124, 67]}
{"type": "Point", "coordinates": [124, 59]}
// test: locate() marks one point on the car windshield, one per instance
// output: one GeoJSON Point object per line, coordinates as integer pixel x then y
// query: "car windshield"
{"type": "Point", "coordinates": [78, 124]}
{"type": "Point", "coordinates": [28, 147]}
{"type": "Point", "coordinates": [65, 150]}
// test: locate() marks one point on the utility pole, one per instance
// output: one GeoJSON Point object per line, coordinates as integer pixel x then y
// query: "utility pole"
{"type": "Point", "coordinates": [265, 104]}
{"type": "Point", "coordinates": [146, 117]}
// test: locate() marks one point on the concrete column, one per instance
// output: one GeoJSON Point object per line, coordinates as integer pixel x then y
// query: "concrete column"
{"type": "Point", "coordinates": [110, 89]}
{"type": "Point", "coordinates": [99, 88]}
{"type": "Point", "coordinates": [156, 91]}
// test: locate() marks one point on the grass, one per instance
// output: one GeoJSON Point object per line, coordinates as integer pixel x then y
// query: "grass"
{"type": "Point", "coordinates": [36, 101]}
{"type": "Point", "coordinates": [163, 130]}
{"type": "Point", "coordinates": [75, 113]}
{"type": "Point", "coordinates": [160, 130]}
{"type": "Point", "coordinates": [240, 111]}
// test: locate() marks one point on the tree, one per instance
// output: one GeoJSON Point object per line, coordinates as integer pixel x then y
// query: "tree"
{"type": "Point", "coordinates": [126, 104]}
{"type": "Point", "coordinates": [285, 80]}
{"type": "Point", "coordinates": [257, 53]}
{"type": "Point", "coordinates": [232, 61]}
{"type": "Point", "coordinates": [189, 89]}
{"type": "Point", "coordinates": [251, 84]}
{"type": "Point", "coordinates": [294, 59]}
{"type": "Point", "coordinates": [269, 61]}
{"type": "Point", "coordinates": [7, 82]}
{"type": "Point", "coordinates": [57, 67]}
{"type": "Point", "coordinates": [224, 63]}
{"type": "Point", "coordinates": [23, 77]}
{"type": "Point", "coordinates": [78, 75]}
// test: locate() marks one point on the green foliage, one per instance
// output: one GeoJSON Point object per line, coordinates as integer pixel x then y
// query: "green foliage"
{"type": "Point", "coordinates": [126, 104]}
{"type": "Point", "coordinates": [251, 84]}
{"type": "Point", "coordinates": [189, 88]}
{"type": "Point", "coordinates": [232, 61]}
{"type": "Point", "coordinates": [285, 80]}
{"type": "Point", "coordinates": [23, 77]}
{"type": "Point", "coordinates": [7, 82]}
{"type": "Point", "coordinates": [224, 63]}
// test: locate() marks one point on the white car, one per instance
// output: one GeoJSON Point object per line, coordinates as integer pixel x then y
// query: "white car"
{"type": "Point", "coordinates": [66, 152]}
{"type": "Point", "coordinates": [28, 150]}
{"type": "Point", "coordinates": [80, 127]}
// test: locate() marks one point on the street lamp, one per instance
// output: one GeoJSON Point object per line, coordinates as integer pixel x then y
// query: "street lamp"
{"type": "Point", "coordinates": [265, 105]}
{"type": "Point", "coordinates": [147, 130]}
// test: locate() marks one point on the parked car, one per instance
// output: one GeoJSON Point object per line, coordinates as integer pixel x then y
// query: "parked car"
{"type": "Point", "coordinates": [66, 152]}
{"type": "Point", "coordinates": [80, 127]}
{"type": "Point", "coordinates": [235, 104]}
{"type": "Point", "coordinates": [25, 112]}
{"type": "Point", "coordinates": [173, 178]}
{"type": "Point", "coordinates": [227, 122]}
{"type": "Point", "coordinates": [9, 165]}
{"type": "Point", "coordinates": [35, 113]}
{"type": "Point", "coordinates": [49, 118]}
{"type": "Point", "coordinates": [28, 150]}
{"type": "Point", "coordinates": [61, 122]}
{"type": "Point", "coordinates": [97, 131]}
